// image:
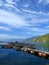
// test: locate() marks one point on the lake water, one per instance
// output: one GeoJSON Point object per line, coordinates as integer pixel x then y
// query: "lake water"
{"type": "Point", "coordinates": [12, 57]}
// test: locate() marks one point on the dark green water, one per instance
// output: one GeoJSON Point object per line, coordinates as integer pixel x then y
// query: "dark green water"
{"type": "Point", "coordinates": [12, 57]}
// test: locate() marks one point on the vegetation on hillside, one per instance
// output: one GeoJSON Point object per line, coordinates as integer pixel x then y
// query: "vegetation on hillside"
{"type": "Point", "coordinates": [44, 38]}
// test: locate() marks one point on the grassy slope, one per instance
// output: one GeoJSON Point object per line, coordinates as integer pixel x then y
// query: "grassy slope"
{"type": "Point", "coordinates": [44, 38]}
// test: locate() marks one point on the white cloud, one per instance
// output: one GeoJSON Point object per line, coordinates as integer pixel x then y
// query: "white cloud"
{"type": "Point", "coordinates": [8, 5]}
{"type": "Point", "coordinates": [7, 36]}
{"type": "Point", "coordinates": [40, 1]}
{"type": "Point", "coordinates": [29, 33]}
{"type": "Point", "coordinates": [35, 12]}
{"type": "Point", "coordinates": [38, 17]}
{"type": "Point", "coordinates": [19, 21]}
{"type": "Point", "coordinates": [4, 28]}
{"type": "Point", "coordinates": [26, 5]}
{"type": "Point", "coordinates": [39, 30]}
{"type": "Point", "coordinates": [10, 1]}
{"type": "Point", "coordinates": [44, 1]}
{"type": "Point", "coordinates": [17, 10]}
{"type": "Point", "coordinates": [1, 2]}
{"type": "Point", "coordinates": [40, 21]}
{"type": "Point", "coordinates": [29, 11]}
{"type": "Point", "coordinates": [12, 19]}
{"type": "Point", "coordinates": [35, 31]}
{"type": "Point", "coordinates": [46, 26]}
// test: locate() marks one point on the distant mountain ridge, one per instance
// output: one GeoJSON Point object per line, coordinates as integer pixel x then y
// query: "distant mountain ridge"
{"type": "Point", "coordinates": [29, 40]}
{"type": "Point", "coordinates": [43, 38]}
{"type": "Point", "coordinates": [11, 40]}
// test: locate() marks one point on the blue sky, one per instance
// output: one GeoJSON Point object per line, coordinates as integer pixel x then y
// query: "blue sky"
{"type": "Point", "coordinates": [20, 19]}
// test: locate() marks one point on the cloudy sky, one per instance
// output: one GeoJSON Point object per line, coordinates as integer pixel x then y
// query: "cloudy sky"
{"type": "Point", "coordinates": [21, 19]}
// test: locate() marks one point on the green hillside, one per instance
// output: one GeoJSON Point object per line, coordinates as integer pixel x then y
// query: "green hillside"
{"type": "Point", "coordinates": [44, 38]}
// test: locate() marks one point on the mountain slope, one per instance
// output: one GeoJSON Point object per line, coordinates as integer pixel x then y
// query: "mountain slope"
{"type": "Point", "coordinates": [43, 38]}
{"type": "Point", "coordinates": [29, 40]}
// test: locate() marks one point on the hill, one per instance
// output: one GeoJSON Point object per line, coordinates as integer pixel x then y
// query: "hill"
{"type": "Point", "coordinates": [29, 40]}
{"type": "Point", "coordinates": [43, 38]}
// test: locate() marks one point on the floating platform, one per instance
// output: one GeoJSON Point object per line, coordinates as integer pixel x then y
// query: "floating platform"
{"type": "Point", "coordinates": [38, 53]}
{"type": "Point", "coordinates": [35, 52]}
{"type": "Point", "coordinates": [5, 46]}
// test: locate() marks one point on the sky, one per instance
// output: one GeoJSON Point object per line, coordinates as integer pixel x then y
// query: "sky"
{"type": "Point", "coordinates": [20, 19]}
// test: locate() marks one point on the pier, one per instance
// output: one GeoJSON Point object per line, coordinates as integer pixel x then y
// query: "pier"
{"type": "Point", "coordinates": [30, 50]}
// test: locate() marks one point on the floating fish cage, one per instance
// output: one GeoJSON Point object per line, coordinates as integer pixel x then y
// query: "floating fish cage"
{"type": "Point", "coordinates": [5, 46]}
